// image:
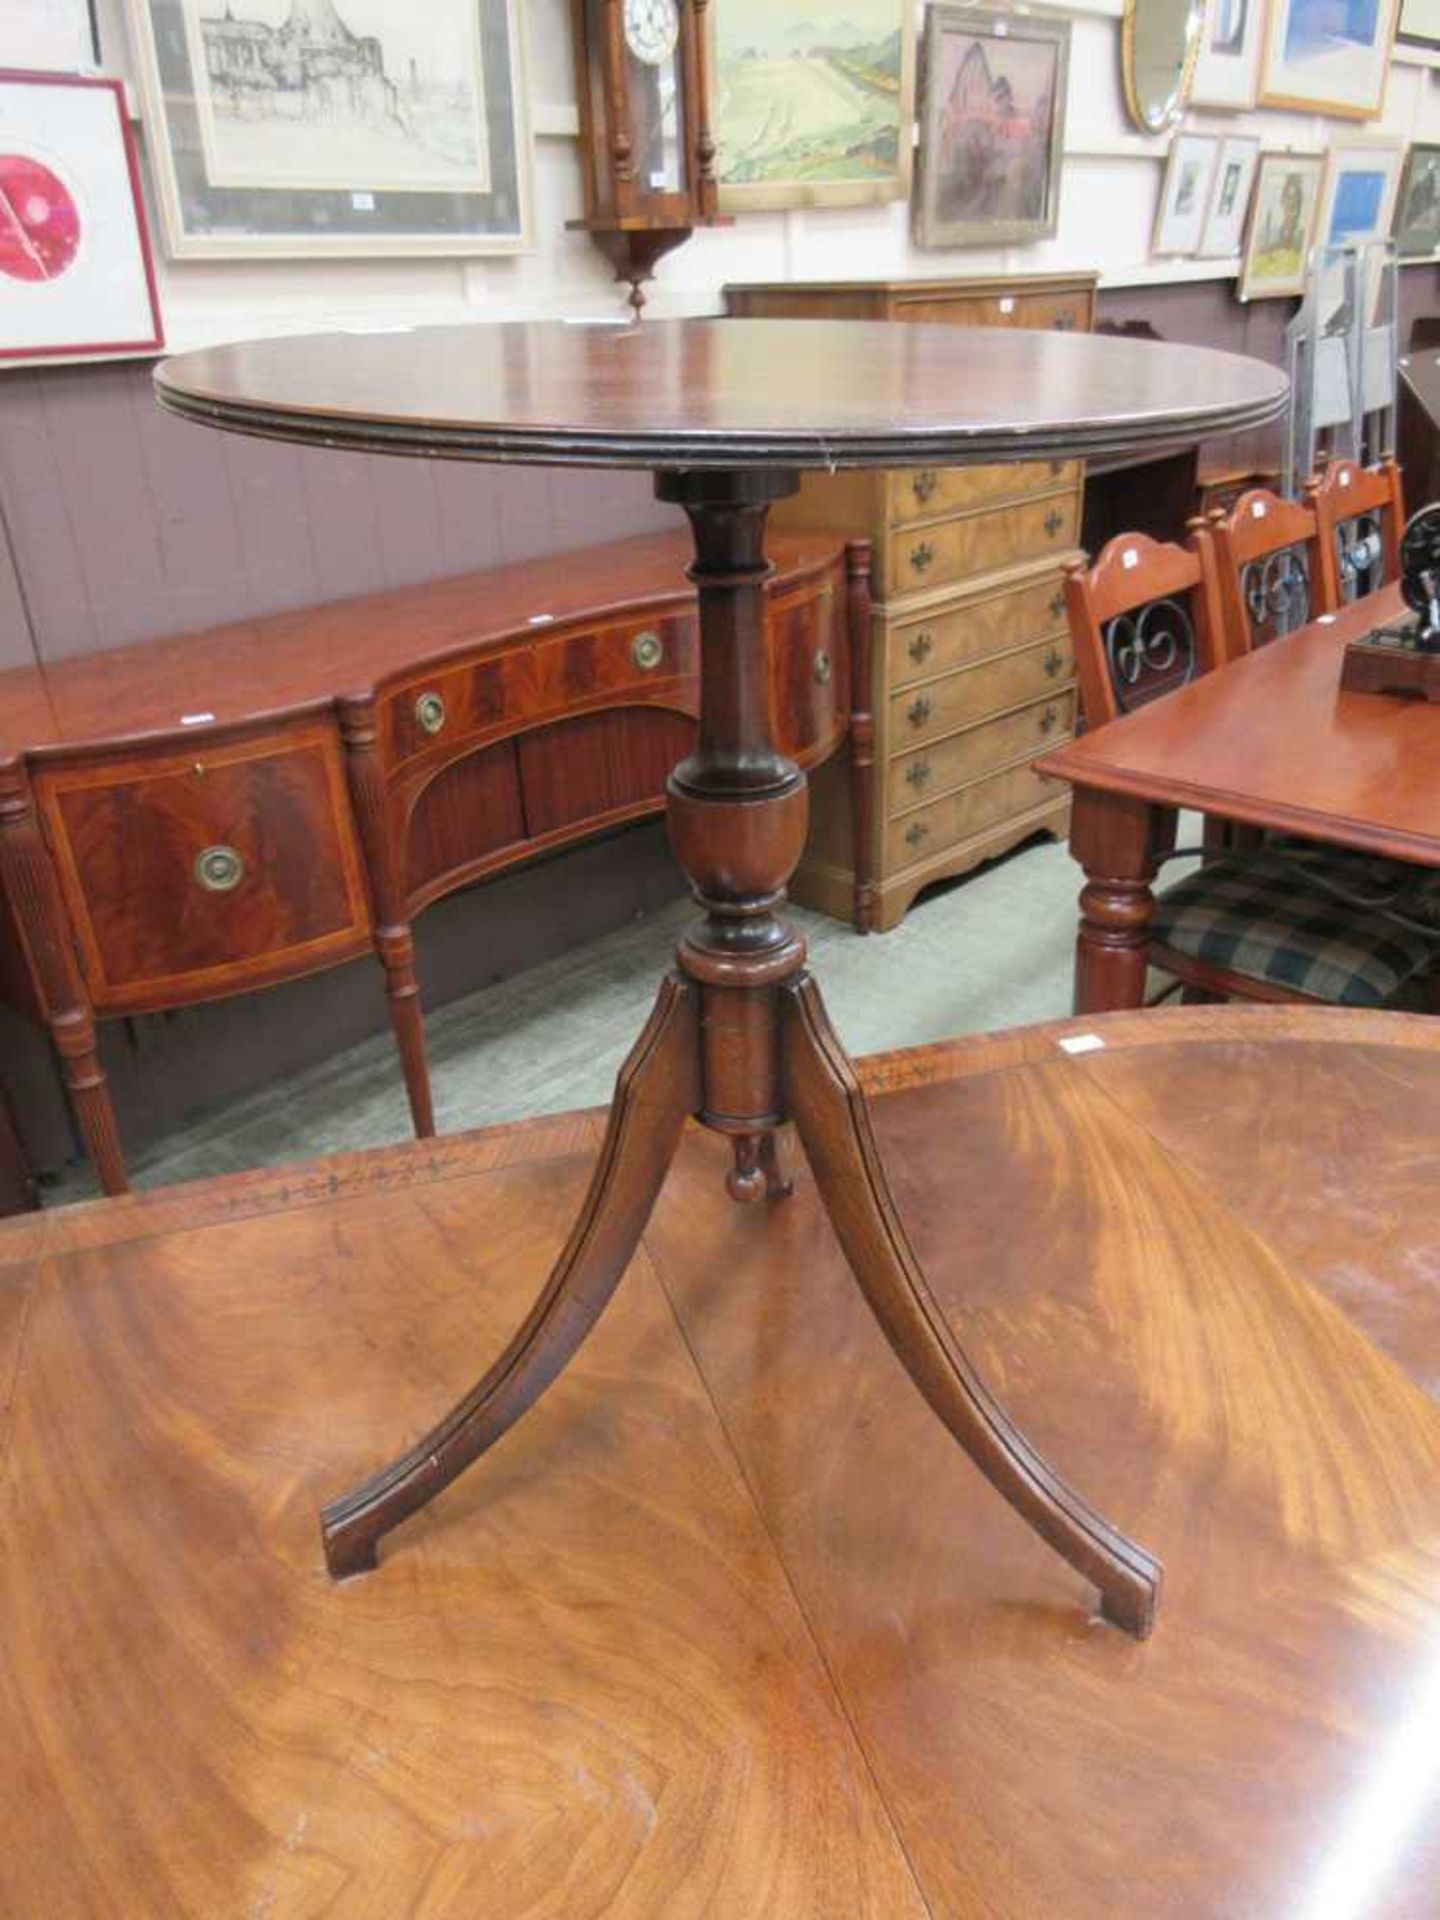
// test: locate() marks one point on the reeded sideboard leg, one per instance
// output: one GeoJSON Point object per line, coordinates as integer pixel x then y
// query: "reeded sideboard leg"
{"type": "Point", "coordinates": [34, 895]}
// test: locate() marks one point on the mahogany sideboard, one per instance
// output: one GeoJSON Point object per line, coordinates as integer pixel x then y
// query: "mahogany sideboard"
{"type": "Point", "coordinates": [220, 811]}
{"type": "Point", "coordinates": [972, 674]}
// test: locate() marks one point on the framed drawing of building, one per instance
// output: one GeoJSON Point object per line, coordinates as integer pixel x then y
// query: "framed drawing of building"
{"type": "Point", "coordinates": [992, 127]}
{"type": "Point", "coordinates": [335, 127]}
{"type": "Point", "coordinates": [813, 106]}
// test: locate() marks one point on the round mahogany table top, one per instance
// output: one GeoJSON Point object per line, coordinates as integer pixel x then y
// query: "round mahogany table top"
{"type": "Point", "coordinates": [777, 394]}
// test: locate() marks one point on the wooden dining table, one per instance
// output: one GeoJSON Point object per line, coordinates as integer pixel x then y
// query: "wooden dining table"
{"type": "Point", "coordinates": [753, 1638]}
{"type": "Point", "coordinates": [1268, 741]}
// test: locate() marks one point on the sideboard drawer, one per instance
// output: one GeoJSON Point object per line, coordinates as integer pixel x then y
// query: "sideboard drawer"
{"type": "Point", "coordinates": [963, 631]}
{"type": "Point", "coordinates": [1013, 680]}
{"type": "Point", "coordinates": [930, 830]}
{"type": "Point", "coordinates": [809, 672]}
{"type": "Point", "coordinates": [949, 550]}
{"type": "Point", "coordinates": [189, 876]}
{"type": "Point", "coordinates": [928, 772]}
{"type": "Point", "coordinates": [920, 493]}
{"type": "Point", "coordinates": [1064, 312]}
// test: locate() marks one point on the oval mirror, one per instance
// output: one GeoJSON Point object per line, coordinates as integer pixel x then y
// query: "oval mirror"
{"type": "Point", "coordinates": [1159, 42]}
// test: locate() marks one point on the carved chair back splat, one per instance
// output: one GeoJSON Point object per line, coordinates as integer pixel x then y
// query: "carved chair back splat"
{"type": "Point", "coordinates": [1267, 565]}
{"type": "Point", "coordinates": [1359, 513]}
{"type": "Point", "coordinates": [1144, 620]}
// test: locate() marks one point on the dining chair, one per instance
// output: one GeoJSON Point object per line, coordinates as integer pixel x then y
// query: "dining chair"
{"type": "Point", "coordinates": [1267, 566]}
{"type": "Point", "coordinates": [1360, 515]}
{"type": "Point", "coordinates": [1252, 924]}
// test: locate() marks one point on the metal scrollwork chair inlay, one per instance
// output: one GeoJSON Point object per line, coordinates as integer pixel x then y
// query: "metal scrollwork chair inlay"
{"type": "Point", "coordinates": [1359, 556]}
{"type": "Point", "coordinates": [1149, 650]}
{"type": "Point", "coordinates": [1276, 591]}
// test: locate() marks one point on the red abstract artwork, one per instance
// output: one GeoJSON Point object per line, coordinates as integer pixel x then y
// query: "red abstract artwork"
{"type": "Point", "coordinates": [39, 221]}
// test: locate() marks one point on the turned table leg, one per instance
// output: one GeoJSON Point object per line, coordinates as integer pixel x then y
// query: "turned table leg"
{"type": "Point", "coordinates": [1111, 836]}
{"type": "Point", "coordinates": [739, 1040]}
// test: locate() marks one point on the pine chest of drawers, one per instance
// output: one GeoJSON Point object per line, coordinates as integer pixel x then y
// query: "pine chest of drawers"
{"type": "Point", "coordinates": [970, 673]}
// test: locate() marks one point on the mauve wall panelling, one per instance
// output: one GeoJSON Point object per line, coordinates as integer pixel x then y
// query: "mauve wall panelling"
{"type": "Point", "coordinates": [16, 646]}
{"type": "Point", "coordinates": [126, 524]}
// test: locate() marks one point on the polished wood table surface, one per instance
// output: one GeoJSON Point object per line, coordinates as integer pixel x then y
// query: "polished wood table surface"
{"type": "Point", "coordinates": [731, 1627]}
{"type": "Point", "coordinates": [728, 414]}
{"type": "Point", "coordinates": [1270, 741]}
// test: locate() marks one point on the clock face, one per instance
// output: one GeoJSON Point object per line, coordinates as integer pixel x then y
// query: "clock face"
{"type": "Point", "coordinates": [651, 29]}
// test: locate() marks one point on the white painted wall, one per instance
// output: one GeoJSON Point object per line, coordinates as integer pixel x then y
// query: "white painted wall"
{"type": "Point", "coordinates": [1109, 189]}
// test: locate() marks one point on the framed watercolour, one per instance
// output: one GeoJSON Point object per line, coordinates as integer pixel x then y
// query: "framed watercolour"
{"type": "Point", "coordinates": [1419, 24]}
{"type": "Point", "coordinates": [1417, 204]}
{"type": "Point", "coordinates": [1230, 192]}
{"type": "Point", "coordinates": [76, 276]}
{"type": "Point", "coordinates": [1282, 225]}
{"type": "Point", "coordinates": [1357, 199]}
{"type": "Point", "coordinates": [1227, 72]}
{"type": "Point", "coordinates": [1328, 56]}
{"type": "Point", "coordinates": [335, 127]}
{"type": "Point", "coordinates": [1185, 193]}
{"type": "Point", "coordinates": [992, 127]}
{"type": "Point", "coordinates": [58, 36]}
{"type": "Point", "coordinates": [812, 106]}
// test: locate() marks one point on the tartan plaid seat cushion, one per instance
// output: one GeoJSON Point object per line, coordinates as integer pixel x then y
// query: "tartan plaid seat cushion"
{"type": "Point", "coordinates": [1258, 918]}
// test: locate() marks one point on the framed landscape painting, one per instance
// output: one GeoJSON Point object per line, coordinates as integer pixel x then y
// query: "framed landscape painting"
{"type": "Point", "coordinates": [1358, 198]}
{"type": "Point", "coordinates": [1417, 205]}
{"type": "Point", "coordinates": [992, 127]}
{"type": "Point", "coordinates": [812, 106]}
{"type": "Point", "coordinates": [76, 277]}
{"type": "Point", "coordinates": [335, 127]}
{"type": "Point", "coordinates": [1328, 56]}
{"type": "Point", "coordinates": [1282, 225]}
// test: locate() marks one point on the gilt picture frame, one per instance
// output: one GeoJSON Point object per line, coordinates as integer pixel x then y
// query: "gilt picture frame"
{"type": "Point", "coordinates": [1328, 56]}
{"type": "Point", "coordinates": [992, 127]}
{"type": "Point", "coordinates": [810, 108]}
{"type": "Point", "coordinates": [335, 128]}
{"type": "Point", "coordinates": [1281, 228]}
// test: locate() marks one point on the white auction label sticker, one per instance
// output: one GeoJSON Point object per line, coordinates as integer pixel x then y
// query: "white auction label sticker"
{"type": "Point", "coordinates": [1082, 1043]}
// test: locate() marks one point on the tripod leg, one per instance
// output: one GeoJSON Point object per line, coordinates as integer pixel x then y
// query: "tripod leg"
{"type": "Point", "coordinates": [657, 1088]}
{"type": "Point", "coordinates": [826, 1102]}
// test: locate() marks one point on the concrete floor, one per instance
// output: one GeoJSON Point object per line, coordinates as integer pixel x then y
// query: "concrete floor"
{"type": "Point", "coordinates": [993, 950]}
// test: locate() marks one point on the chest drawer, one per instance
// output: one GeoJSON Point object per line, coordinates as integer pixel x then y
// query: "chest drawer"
{"type": "Point", "coordinates": [809, 672]}
{"type": "Point", "coordinates": [939, 707]}
{"type": "Point", "coordinates": [503, 689]}
{"type": "Point", "coordinates": [928, 644]}
{"type": "Point", "coordinates": [915, 778]}
{"type": "Point", "coordinates": [922, 492]}
{"type": "Point", "coordinates": [188, 876]}
{"type": "Point", "coordinates": [947, 550]}
{"type": "Point", "coordinates": [1064, 312]}
{"type": "Point", "coordinates": [930, 830]}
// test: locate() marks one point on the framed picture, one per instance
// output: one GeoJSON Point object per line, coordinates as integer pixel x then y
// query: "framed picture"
{"type": "Point", "coordinates": [1419, 23]}
{"type": "Point", "coordinates": [1417, 204]}
{"type": "Point", "coordinates": [1185, 193]}
{"type": "Point", "coordinates": [1328, 56]}
{"type": "Point", "coordinates": [812, 106]}
{"type": "Point", "coordinates": [1282, 225]}
{"type": "Point", "coordinates": [992, 127]}
{"type": "Point", "coordinates": [1227, 72]}
{"type": "Point", "coordinates": [56, 36]}
{"type": "Point", "coordinates": [76, 276]}
{"type": "Point", "coordinates": [1357, 200]}
{"type": "Point", "coordinates": [335, 127]}
{"type": "Point", "coordinates": [1230, 192]}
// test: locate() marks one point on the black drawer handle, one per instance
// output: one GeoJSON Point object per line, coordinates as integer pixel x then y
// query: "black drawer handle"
{"type": "Point", "coordinates": [1057, 467]}
{"type": "Point", "coordinates": [919, 710]}
{"type": "Point", "coordinates": [914, 835]}
{"type": "Point", "coordinates": [925, 483]}
{"type": "Point", "coordinates": [1049, 720]}
{"type": "Point", "coordinates": [1054, 520]}
{"type": "Point", "coordinates": [1064, 323]}
{"type": "Point", "coordinates": [1057, 604]}
{"type": "Point", "coordinates": [922, 557]}
{"type": "Point", "coordinates": [1054, 661]}
{"type": "Point", "coordinates": [920, 646]}
{"type": "Point", "coordinates": [917, 773]}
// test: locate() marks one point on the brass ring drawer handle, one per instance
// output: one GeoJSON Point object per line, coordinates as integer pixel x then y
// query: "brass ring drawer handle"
{"type": "Point", "coordinates": [1049, 720]}
{"type": "Point", "coordinates": [917, 773]}
{"type": "Point", "coordinates": [219, 869]}
{"type": "Point", "coordinates": [919, 710]}
{"type": "Point", "coordinates": [914, 835]}
{"type": "Point", "coordinates": [922, 557]}
{"type": "Point", "coordinates": [1054, 661]}
{"type": "Point", "coordinates": [920, 646]}
{"type": "Point", "coordinates": [822, 668]}
{"type": "Point", "coordinates": [647, 650]}
{"type": "Point", "coordinates": [1053, 522]}
{"type": "Point", "coordinates": [430, 712]}
{"type": "Point", "coordinates": [925, 483]}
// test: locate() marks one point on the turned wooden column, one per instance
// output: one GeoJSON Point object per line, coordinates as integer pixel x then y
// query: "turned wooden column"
{"type": "Point", "coordinates": [1111, 836]}
{"type": "Point", "coordinates": [34, 895]}
{"type": "Point", "coordinates": [393, 941]}
{"type": "Point", "coordinates": [738, 811]}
